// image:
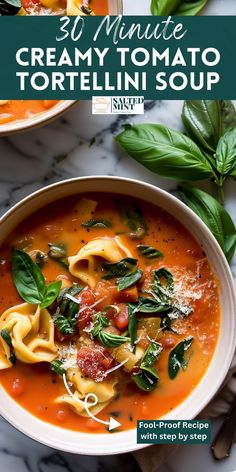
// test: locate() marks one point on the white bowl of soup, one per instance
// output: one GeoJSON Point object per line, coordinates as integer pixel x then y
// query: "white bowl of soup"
{"type": "Point", "coordinates": [21, 115]}
{"type": "Point", "coordinates": [116, 302]}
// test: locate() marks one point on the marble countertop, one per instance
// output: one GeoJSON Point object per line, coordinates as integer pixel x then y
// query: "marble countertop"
{"type": "Point", "coordinates": [59, 151]}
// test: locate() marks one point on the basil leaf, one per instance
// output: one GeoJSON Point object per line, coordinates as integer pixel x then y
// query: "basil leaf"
{"type": "Point", "coordinates": [59, 253]}
{"type": "Point", "coordinates": [96, 224]}
{"type": "Point", "coordinates": [190, 8]}
{"type": "Point", "coordinates": [28, 278]}
{"type": "Point", "coordinates": [111, 340]}
{"type": "Point", "coordinates": [226, 153]}
{"type": "Point", "coordinates": [176, 7]}
{"type": "Point", "coordinates": [176, 357]}
{"type": "Point", "coordinates": [118, 269]}
{"type": "Point", "coordinates": [51, 294]}
{"type": "Point", "coordinates": [4, 333]}
{"type": "Point", "coordinates": [136, 222]}
{"type": "Point", "coordinates": [66, 306]}
{"type": "Point", "coordinates": [100, 321]}
{"type": "Point", "coordinates": [56, 366]}
{"type": "Point", "coordinates": [147, 378]}
{"type": "Point", "coordinates": [132, 324]}
{"type": "Point", "coordinates": [165, 151]}
{"type": "Point", "coordinates": [65, 325]}
{"type": "Point", "coordinates": [149, 252]}
{"type": "Point", "coordinates": [67, 312]}
{"type": "Point", "coordinates": [229, 113]}
{"type": "Point", "coordinates": [150, 305]}
{"type": "Point", "coordinates": [129, 279]}
{"type": "Point", "coordinates": [213, 215]}
{"type": "Point", "coordinates": [9, 7]}
{"type": "Point", "coordinates": [164, 7]}
{"type": "Point", "coordinates": [203, 122]}
{"type": "Point", "coordinates": [163, 285]}
{"type": "Point", "coordinates": [6, 336]}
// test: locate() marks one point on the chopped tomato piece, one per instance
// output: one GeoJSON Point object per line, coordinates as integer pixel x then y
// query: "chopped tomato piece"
{"type": "Point", "coordinates": [128, 295]}
{"type": "Point", "coordinates": [86, 311]}
{"type": "Point", "coordinates": [94, 361]}
{"type": "Point", "coordinates": [121, 320]}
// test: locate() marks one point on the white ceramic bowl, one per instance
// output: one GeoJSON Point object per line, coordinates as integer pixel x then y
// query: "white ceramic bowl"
{"type": "Point", "coordinates": [94, 444]}
{"type": "Point", "coordinates": [115, 8]}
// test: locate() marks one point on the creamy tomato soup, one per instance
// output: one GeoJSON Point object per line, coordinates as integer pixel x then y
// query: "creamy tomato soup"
{"type": "Point", "coordinates": [14, 110]}
{"type": "Point", "coordinates": [106, 295]}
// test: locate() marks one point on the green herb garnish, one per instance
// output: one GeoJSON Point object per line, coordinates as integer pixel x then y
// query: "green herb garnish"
{"type": "Point", "coordinates": [176, 357]}
{"type": "Point", "coordinates": [67, 312]}
{"type": "Point", "coordinates": [59, 253]}
{"type": "Point", "coordinates": [30, 282]}
{"type": "Point", "coordinates": [100, 321]}
{"type": "Point", "coordinates": [118, 269]}
{"type": "Point", "coordinates": [96, 224]}
{"type": "Point", "coordinates": [148, 251]}
{"type": "Point", "coordinates": [129, 279]}
{"type": "Point", "coordinates": [56, 366]}
{"type": "Point", "coordinates": [7, 338]}
{"type": "Point", "coordinates": [147, 378]}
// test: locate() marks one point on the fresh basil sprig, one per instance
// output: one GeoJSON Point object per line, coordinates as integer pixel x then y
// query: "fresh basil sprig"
{"type": "Point", "coordinates": [30, 282]}
{"type": "Point", "coordinates": [176, 359]}
{"type": "Point", "coordinates": [67, 311]}
{"type": "Point", "coordinates": [177, 7]}
{"type": "Point", "coordinates": [213, 215]}
{"type": "Point", "coordinates": [130, 279]}
{"type": "Point", "coordinates": [147, 378]}
{"type": "Point", "coordinates": [165, 151]}
{"type": "Point", "coordinates": [149, 252]}
{"type": "Point", "coordinates": [118, 269]}
{"type": "Point", "coordinates": [56, 366]}
{"type": "Point", "coordinates": [203, 121]}
{"type": "Point", "coordinates": [100, 321]}
{"type": "Point", "coordinates": [96, 224]}
{"type": "Point", "coordinates": [9, 7]}
{"type": "Point", "coordinates": [212, 125]}
{"type": "Point", "coordinates": [111, 340]}
{"type": "Point", "coordinates": [226, 154]}
{"type": "Point", "coordinates": [4, 333]}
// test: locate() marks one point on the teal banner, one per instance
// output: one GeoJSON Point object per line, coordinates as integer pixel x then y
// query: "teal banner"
{"type": "Point", "coordinates": [52, 57]}
{"type": "Point", "coordinates": [173, 432]}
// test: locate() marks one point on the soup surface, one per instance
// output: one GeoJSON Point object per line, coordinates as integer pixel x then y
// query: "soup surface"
{"type": "Point", "coordinates": [14, 110]}
{"type": "Point", "coordinates": [132, 313]}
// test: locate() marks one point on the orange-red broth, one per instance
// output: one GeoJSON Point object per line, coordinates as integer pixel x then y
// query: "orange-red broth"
{"type": "Point", "coordinates": [35, 387]}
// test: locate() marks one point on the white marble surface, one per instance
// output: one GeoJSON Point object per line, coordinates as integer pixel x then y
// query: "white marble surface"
{"type": "Point", "coordinates": [59, 151]}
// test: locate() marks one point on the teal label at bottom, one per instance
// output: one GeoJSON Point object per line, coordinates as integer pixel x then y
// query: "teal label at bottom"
{"type": "Point", "coordinates": [173, 432]}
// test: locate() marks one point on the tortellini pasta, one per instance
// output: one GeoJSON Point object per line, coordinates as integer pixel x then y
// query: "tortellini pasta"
{"type": "Point", "coordinates": [104, 392]}
{"type": "Point", "coordinates": [84, 264]}
{"type": "Point", "coordinates": [32, 335]}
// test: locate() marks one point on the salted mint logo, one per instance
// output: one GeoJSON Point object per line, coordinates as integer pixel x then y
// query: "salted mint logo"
{"type": "Point", "coordinates": [118, 105]}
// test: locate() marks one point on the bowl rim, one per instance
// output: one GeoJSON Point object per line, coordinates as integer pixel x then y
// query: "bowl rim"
{"type": "Point", "coordinates": [228, 281]}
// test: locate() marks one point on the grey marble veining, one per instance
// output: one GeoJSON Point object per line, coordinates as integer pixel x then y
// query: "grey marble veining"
{"type": "Point", "coordinates": [59, 151]}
